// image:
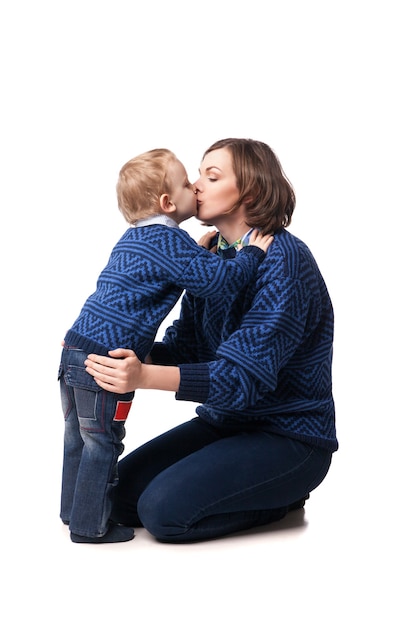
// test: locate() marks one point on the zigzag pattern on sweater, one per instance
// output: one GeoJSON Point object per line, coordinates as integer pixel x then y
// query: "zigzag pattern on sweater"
{"type": "Point", "coordinates": [146, 273]}
{"type": "Point", "coordinates": [269, 350]}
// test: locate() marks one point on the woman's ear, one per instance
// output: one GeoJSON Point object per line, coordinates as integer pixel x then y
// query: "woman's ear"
{"type": "Point", "coordinates": [165, 203]}
{"type": "Point", "coordinates": [247, 200]}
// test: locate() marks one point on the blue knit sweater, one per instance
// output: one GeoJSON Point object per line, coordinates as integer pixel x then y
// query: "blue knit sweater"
{"type": "Point", "coordinates": [263, 360]}
{"type": "Point", "coordinates": [147, 271]}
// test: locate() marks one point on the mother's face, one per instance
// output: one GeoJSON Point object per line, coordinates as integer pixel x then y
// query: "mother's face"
{"type": "Point", "coordinates": [217, 191]}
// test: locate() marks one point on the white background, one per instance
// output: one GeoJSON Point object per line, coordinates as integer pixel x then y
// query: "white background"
{"type": "Point", "coordinates": [330, 86]}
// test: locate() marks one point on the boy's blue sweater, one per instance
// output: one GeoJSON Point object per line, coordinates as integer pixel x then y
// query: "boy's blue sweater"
{"type": "Point", "coordinates": [147, 271]}
{"type": "Point", "coordinates": [263, 360]}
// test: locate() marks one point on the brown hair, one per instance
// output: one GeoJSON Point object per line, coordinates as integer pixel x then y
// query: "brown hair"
{"type": "Point", "coordinates": [142, 181]}
{"type": "Point", "coordinates": [264, 189]}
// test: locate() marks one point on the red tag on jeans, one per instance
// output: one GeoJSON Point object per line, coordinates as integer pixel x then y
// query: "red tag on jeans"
{"type": "Point", "coordinates": [122, 411]}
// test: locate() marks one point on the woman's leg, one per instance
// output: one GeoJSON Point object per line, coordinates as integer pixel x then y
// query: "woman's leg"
{"type": "Point", "coordinates": [231, 484]}
{"type": "Point", "coordinates": [137, 469]}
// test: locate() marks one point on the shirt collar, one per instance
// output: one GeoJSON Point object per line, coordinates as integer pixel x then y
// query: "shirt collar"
{"type": "Point", "coordinates": [156, 219]}
{"type": "Point", "coordinates": [222, 244]}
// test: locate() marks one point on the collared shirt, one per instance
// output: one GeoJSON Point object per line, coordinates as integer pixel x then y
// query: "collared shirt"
{"type": "Point", "coordinates": [158, 218]}
{"type": "Point", "coordinates": [228, 250]}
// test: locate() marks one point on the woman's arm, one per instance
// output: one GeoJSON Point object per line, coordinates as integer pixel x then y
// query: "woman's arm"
{"type": "Point", "coordinates": [245, 368]}
{"type": "Point", "coordinates": [122, 372]}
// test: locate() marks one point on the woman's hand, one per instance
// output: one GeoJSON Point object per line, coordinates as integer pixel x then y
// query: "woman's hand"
{"type": "Point", "coordinates": [121, 372]}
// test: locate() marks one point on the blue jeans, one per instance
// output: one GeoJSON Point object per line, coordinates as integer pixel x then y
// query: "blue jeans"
{"type": "Point", "coordinates": [197, 482]}
{"type": "Point", "coordinates": [94, 430]}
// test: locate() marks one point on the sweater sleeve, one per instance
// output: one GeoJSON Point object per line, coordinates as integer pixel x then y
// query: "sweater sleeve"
{"type": "Point", "coordinates": [207, 274]}
{"type": "Point", "coordinates": [248, 363]}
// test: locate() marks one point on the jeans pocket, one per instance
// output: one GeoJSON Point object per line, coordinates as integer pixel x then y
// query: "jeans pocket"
{"type": "Point", "coordinates": [77, 377]}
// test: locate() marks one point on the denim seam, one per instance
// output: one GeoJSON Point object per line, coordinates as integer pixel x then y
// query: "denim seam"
{"type": "Point", "coordinates": [244, 492]}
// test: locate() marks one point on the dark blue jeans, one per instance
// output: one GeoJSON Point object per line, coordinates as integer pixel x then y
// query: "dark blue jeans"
{"type": "Point", "coordinates": [94, 430]}
{"type": "Point", "coordinates": [197, 482]}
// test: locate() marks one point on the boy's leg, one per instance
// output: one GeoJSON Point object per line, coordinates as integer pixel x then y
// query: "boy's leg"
{"type": "Point", "coordinates": [73, 447]}
{"type": "Point", "coordinates": [101, 417]}
{"type": "Point", "coordinates": [102, 433]}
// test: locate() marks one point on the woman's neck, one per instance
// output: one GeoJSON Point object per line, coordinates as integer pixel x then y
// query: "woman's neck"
{"type": "Point", "coordinates": [232, 229]}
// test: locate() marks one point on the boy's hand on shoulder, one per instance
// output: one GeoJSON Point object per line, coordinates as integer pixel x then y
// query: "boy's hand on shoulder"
{"type": "Point", "coordinates": [206, 239]}
{"type": "Point", "coordinates": [259, 240]}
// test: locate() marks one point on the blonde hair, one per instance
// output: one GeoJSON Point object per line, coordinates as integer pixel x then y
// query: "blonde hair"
{"type": "Point", "coordinates": [142, 181]}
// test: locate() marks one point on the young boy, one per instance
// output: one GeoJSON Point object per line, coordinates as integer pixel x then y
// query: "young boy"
{"type": "Point", "coordinates": [150, 266]}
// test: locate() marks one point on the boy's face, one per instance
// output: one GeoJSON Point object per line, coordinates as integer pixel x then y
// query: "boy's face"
{"type": "Point", "coordinates": [182, 193]}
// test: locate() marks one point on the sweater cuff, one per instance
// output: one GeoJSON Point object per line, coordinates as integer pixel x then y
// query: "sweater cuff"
{"type": "Point", "coordinates": [254, 250]}
{"type": "Point", "coordinates": [194, 382]}
{"type": "Point", "coordinates": [160, 355]}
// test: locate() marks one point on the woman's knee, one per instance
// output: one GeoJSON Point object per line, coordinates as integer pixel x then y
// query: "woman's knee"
{"type": "Point", "coordinates": [159, 513]}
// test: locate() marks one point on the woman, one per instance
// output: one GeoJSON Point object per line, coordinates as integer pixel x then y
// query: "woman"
{"type": "Point", "coordinates": [259, 364]}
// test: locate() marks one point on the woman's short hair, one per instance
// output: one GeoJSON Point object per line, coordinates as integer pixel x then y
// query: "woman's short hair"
{"type": "Point", "coordinates": [142, 181]}
{"type": "Point", "coordinates": [264, 189]}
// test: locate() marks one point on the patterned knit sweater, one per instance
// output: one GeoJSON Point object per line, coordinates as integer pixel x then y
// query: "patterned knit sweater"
{"type": "Point", "coordinates": [263, 360]}
{"type": "Point", "coordinates": [147, 271]}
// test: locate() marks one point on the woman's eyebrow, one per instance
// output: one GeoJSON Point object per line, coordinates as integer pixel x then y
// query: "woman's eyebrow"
{"type": "Point", "coordinates": [212, 167]}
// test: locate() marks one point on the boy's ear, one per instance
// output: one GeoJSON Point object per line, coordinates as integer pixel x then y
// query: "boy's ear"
{"type": "Point", "coordinates": [165, 203]}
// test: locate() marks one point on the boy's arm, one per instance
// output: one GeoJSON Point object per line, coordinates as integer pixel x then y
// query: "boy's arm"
{"type": "Point", "coordinates": [207, 274]}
